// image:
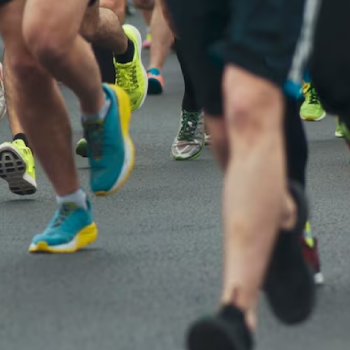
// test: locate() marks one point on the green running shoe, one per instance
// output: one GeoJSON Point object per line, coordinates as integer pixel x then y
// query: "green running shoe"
{"type": "Point", "coordinates": [311, 110]}
{"type": "Point", "coordinates": [339, 129]}
{"type": "Point", "coordinates": [81, 148]}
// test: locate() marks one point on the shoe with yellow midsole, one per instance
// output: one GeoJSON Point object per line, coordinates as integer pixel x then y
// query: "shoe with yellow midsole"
{"type": "Point", "coordinates": [17, 167]}
{"type": "Point", "coordinates": [110, 150]}
{"type": "Point", "coordinates": [71, 229]}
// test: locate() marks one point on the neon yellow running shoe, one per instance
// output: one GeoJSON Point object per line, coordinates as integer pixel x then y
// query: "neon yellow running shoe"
{"type": "Point", "coordinates": [132, 76]}
{"type": "Point", "coordinates": [345, 131]}
{"type": "Point", "coordinates": [311, 110]}
{"type": "Point", "coordinates": [339, 130]}
{"type": "Point", "coordinates": [17, 167]}
{"type": "Point", "coordinates": [81, 148]}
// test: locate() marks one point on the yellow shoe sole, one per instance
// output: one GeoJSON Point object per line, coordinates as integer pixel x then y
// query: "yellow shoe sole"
{"type": "Point", "coordinates": [85, 237]}
{"type": "Point", "coordinates": [125, 120]}
{"type": "Point", "coordinates": [311, 119]}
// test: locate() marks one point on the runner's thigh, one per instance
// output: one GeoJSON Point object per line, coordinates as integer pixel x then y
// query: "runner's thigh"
{"type": "Point", "coordinates": [56, 19]}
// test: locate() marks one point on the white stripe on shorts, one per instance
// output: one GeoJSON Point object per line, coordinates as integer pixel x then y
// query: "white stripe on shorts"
{"type": "Point", "coordinates": [304, 44]}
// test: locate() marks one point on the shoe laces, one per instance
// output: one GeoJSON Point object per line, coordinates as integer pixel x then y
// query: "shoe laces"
{"type": "Point", "coordinates": [189, 122]}
{"type": "Point", "coordinates": [94, 137]}
{"type": "Point", "coordinates": [312, 96]}
{"type": "Point", "coordinates": [64, 210]}
{"type": "Point", "coordinates": [26, 151]}
{"type": "Point", "coordinates": [127, 77]}
{"type": "Point", "coordinates": [22, 147]}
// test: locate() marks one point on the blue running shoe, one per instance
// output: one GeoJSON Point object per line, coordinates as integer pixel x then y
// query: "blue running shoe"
{"type": "Point", "coordinates": [71, 229]}
{"type": "Point", "coordinates": [111, 151]}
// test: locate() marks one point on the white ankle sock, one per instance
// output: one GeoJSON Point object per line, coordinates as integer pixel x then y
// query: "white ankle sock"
{"type": "Point", "coordinates": [78, 197]}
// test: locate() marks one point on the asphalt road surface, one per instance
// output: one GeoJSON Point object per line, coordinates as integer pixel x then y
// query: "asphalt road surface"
{"type": "Point", "coordinates": [157, 263]}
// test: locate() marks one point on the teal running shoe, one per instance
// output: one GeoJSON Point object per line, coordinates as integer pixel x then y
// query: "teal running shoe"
{"type": "Point", "coordinates": [111, 151]}
{"type": "Point", "coordinates": [71, 229]}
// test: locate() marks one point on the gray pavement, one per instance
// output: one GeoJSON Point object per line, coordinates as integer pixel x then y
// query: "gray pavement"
{"type": "Point", "coordinates": [157, 262]}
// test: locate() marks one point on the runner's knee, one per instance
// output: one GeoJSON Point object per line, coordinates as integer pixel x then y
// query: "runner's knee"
{"type": "Point", "coordinates": [48, 45]}
{"type": "Point", "coordinates": [21, 65]}
{"type": "Point", "coordinates": [253, 112]}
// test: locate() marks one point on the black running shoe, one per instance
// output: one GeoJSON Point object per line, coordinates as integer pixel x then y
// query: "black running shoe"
{"type": "Point", "coordinates": [289, 285]}
{"type": "Point", "coordinates": [226, 330]}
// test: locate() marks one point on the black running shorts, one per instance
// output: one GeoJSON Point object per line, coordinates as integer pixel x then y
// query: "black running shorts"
{"type": "Point", "coordinates": [330, 62]}
{"type": "Point", "coordinates": [261, 36]}
{"type": "Point", "coordinates": [3, 2]}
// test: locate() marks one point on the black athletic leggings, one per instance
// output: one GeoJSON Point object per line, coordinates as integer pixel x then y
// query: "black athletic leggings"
{"type": "Point", "coordinates": [296, 144]}
{"type": "Point", "coordinates": [189, 102]}
{"type": "Point", "coordinates": [330, 62]}
{"type": "Point", "coordinates": [297, 152]}
{"type": "Point", "coordinates": [105, 61]}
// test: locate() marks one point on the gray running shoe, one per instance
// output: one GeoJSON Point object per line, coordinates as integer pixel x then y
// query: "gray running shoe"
{"type": "Point", "coordinates": [190, 138]}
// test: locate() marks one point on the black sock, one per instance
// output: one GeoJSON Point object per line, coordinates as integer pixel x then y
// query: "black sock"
{"type": "Point", "coordinates": [296, 143]}
{"type": "Point", "coordinates": [105, 62]}
{"type": "Point", "coordinates": [128, 55]}
{"type": "Point", "coordinates": [22, 137]}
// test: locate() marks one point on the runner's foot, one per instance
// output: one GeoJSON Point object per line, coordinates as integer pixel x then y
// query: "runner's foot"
{"type": "Point", "coordinates": [71, 228]}
{"type": "Point", "coordinates": [132, 76]}
{"type": "Point", "coordinates": [190, 138]}
{"type": "Point", "coordinates": [155, 82]}
{"type": "Point", "coordinates": [311, 110]}
{"type": "Point", "coordinates": [310, 249]}
{"type": "Point", "coordinates": [17, 167]}
{"type": "Point", "coordinates": [110, 148]}
{"type": "Point", "coordinates": [225, 330]}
